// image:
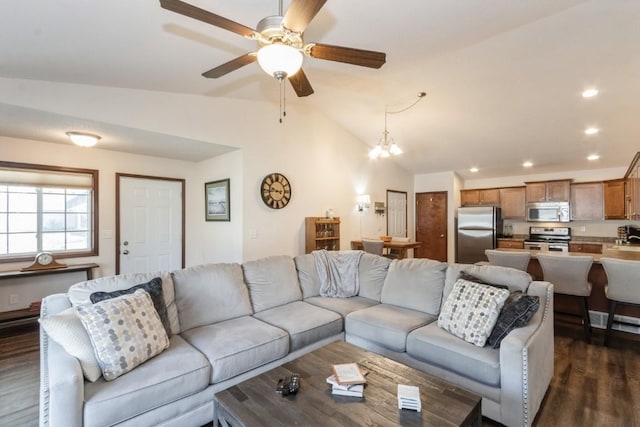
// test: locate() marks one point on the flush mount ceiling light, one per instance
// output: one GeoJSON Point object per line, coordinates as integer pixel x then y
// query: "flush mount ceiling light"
{"type": "Point", "coordinates": [386, 145]}
{"type": "Point", "coordinates": [83, 139]}
{"type": "Point", "coordinates": [591, 131]}
{"type": "Point", "coordinates": [527, 164]}
{"type": "Point", "coordinates": [590, 93]}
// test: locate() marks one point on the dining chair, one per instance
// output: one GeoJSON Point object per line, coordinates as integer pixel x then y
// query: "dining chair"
{"type": "Point", "coordinates": [373, 246]}
{"type": "Point", "coordinates": [623, 287]}
{"type": "Point", "coordinates": [569, 276]}
{"type": "Point", "coordinates": [517, 260]}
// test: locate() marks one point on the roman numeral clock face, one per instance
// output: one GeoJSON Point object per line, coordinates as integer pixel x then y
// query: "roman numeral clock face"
{"type": "Point", "coordinates": [275, 190]}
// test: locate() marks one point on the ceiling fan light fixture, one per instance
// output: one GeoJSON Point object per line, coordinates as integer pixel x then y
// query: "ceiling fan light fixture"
{"type": "Point", "coordinates": [280, 60]}
{"type": "Point", "coordinates": [83, 139]}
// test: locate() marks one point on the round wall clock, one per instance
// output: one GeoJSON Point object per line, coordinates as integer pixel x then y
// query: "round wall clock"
{"type": "Point", "coordinates": [275, 190]}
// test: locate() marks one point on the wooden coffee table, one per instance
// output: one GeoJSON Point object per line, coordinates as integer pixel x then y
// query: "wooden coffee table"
{"type": "Point", "coordinates": [254, 402]}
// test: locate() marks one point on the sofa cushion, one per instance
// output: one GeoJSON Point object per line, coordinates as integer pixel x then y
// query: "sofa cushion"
{"type": "Point", "coordinates": [471, 310]}
{"type": "Point", "coordinates": [343, 306]}
{"type": "Point", "coordinates": [210, 293]}
{"type": "Point", "coordinates": [80, 293]}
{"type": "Point", "coordinates": [272, 281]}
{"type": "Point", "coordinates": [152, 287]}
{"type": "Point", "coordinates": [514, 314]}
{"type": "Point", "coordinates": [305, 323]}
{"type": "Point", "coordinates": [515, 280]}
{"type": "Point", "coordinates": [178, 372]}
{"type": "Point", "coordinates": [125, 332]}
{"type": "Point", "coordinates": [307, 275]}
{"type": "Point", "coordinates": [238, 345]}
{"type": "Point", "coordinates": [436, 346]}
{"type": "Point", "coordinates": [416, 284]}
{"type": "Point", "coordinates": [386, 325]}
{"type": "Point", "coordinates": [372, 272]}
{"type": "Point", "coordinates": [66, 329]}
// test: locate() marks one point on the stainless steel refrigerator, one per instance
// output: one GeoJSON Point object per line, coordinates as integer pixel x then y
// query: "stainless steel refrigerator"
{"type": "Point", "coordinates": [478, 228]}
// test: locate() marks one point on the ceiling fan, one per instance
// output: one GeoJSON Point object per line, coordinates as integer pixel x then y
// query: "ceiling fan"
{"type": "Point", "coordinates": [281, 45]}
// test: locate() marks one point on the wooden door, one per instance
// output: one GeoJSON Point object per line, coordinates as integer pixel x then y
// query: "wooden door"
{"type": "Point", "coordinates": [431, 225]}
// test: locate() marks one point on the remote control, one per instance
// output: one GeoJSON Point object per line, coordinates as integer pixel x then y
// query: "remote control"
{"type": "Point", "coordinates": [294, 383]}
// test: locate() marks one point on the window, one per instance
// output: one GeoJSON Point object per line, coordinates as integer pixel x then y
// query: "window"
{"type": "Point", "coordinates": [47, 208]}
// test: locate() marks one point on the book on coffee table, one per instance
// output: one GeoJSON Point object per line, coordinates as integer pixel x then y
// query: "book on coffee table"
{"type": "Point", "coordinates": [354, 390]}
{"type": "Point", "coordinates": [348, 373]}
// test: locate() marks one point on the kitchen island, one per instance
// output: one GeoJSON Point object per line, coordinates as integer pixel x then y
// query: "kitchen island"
{"type": "Point", "coordinates": [598, 302]}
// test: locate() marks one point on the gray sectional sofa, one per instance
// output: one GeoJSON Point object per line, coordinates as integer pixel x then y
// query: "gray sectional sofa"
{"type": "Point", "coordinates": [230, 322]}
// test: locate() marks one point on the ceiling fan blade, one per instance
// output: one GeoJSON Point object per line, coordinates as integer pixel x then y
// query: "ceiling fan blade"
{"type": "Point", "coordinates": [300, 13]}
{"type": "Point", "coordinates": [230, 66]}
{"type": "Point", "coordinates": [205, 16]}
{"type": "Point", "coordinates": [348, 55]}
{"type": "Point", "coordinates": [301, 84]}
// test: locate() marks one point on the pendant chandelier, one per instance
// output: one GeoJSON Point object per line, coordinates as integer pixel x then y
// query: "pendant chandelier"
{"type": "Point", "coordinates": [387, 145]}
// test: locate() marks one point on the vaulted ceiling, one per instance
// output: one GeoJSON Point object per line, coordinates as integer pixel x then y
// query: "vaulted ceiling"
{"type": "Point", "coordinates": [503, 78]}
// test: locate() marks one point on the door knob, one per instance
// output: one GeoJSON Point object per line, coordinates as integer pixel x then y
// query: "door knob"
{"type": "Point", "coordinates": [442, 236]}
{"type": "Point", "coordinates": [126, 252]}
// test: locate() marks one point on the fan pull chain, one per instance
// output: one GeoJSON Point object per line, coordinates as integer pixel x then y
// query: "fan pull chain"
{"type": "Point", "coordinates": [283, 100]}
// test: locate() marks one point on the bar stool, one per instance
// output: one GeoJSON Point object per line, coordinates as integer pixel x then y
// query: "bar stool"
{"type": "Point", "coordinates": [517, 260]}
{"type": "Point", "coordinates": [373, 246]}
{"type": "Point", "coordinates": [623, 287]}
{"type": "Point", "coordinates": [569, 275]}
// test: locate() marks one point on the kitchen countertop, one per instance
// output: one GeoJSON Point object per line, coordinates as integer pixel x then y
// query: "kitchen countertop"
{"type": "Point", "coordinates": [609, 251]}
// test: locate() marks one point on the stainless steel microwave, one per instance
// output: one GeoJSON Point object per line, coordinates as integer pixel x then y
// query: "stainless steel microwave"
{"type": "Point", "coordinates": [548, 212]}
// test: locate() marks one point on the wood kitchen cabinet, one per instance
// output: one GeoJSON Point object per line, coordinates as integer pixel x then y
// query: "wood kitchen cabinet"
{"type": "Point", "coordinates": [512, 202]}
{"type": "Point", "coordinates": [633, 189]}
{"type": "Point", "coordinates": [548, 191]}
{"type": "Point", "coordinates": [488, 196]}
{"type": "Point", "coordinates": [587, 201]}
{"type": "Point", "coordinates": [614, 199]}
{"type": "Point", "coordinates": [510, 244]}
{"type": "Point", "coordinates": [589, 248]}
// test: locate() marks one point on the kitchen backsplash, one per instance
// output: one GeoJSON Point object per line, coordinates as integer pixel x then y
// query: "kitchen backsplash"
{"type": "Point", "coordinates": [604, 229]}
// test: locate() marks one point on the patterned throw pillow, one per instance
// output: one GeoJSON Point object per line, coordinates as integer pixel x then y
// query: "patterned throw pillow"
{"type": "Point", "coordinates": [471, 311]}
{"type": "Point", "coordinates": [125, 331]}
{"type": "Point", "coordinates": [153, 288]}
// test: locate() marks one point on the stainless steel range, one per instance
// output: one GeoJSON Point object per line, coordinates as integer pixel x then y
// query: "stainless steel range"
{"type": "Point", "coordinates": [548, 239]}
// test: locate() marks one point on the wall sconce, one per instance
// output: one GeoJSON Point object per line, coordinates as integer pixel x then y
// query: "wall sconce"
{"type": "Point", "coordinates": [378, 208]}
{"type": "Point", "coordinates": [364, 202]}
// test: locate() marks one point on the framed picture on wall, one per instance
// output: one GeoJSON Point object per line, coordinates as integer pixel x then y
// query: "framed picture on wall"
{"type": "Point", "coordinates": [216, 200]}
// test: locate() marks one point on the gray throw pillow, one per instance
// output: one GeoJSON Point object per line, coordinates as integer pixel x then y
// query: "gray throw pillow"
{"type": "Point", "coordinates": [153, 288]}
{"type": "Point", "coordinates": [514, 315]}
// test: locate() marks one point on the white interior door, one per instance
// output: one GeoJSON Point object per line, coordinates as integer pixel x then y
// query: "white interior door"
{"type": "Point", "coordinates": [150, 225]}
{"type": "Point", "coordinates": [396, 213]}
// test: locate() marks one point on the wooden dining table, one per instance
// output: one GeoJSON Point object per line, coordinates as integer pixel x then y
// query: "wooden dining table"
{"type": "Point", "coordinates": [401, 247]}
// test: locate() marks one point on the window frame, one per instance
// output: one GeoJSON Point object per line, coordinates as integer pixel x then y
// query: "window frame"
{"type": "Point", "coordinates": [94, 217]}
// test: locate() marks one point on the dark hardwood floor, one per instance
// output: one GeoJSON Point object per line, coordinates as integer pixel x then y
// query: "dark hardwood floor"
{"type": "Point", "coordinates": [592, 385]}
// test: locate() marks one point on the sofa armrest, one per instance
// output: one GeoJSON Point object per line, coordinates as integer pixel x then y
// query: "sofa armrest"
{"type": "Point", "coordinates": [61, 377]}
{"type": "Point", "coordinates": [526, 362]}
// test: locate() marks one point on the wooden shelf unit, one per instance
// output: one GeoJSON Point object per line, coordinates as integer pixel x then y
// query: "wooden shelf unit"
{"type": "Point", "coordinates": [322, 233]}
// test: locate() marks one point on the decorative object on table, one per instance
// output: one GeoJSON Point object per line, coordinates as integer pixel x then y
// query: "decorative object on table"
{"type": "Point", "coordinates": [353, 390]}
{"type": "Point", "coordinates": [385, 238]}
{"type": "Point", "coordinates": [44, 261]}
{"type": "Point", "coordinates": [217, 200]}
{"type": "Point", "coordinates": [348, 374]}
{"type": "Point", "coordinates": [386, 145]}
{"type": "Point", "coordinates": [409, 397]}
{"type": "Point", "coordinates": [275, 190]}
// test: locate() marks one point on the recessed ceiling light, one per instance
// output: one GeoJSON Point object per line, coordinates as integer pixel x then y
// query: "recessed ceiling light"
{"type": "Point", "coordinates": [591, 131]}
{"type": "Point", "coordinates": [593, 157]}
{"type": "Point", "coordinates": [590, 93]}
{"type": "Point", "coordinates": [473, 169]}
{"type": "Point", "coordinates": [527, 164]}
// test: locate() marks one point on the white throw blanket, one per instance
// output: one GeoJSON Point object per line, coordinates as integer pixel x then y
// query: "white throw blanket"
{"type": "Point", "coordinates": [338, 272]}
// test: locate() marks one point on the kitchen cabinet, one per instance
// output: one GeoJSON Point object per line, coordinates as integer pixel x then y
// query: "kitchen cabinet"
{"type": "Point", "coordinates": [633, 189]}
{"type": "Point", "coordinates": [548, 191]}
{"type": "Point", "coordinates": [589, 248]}
{"type": "Point", "coordinates": [587, 201]}
{"type": "Point", "coordinates": [510, 244]}
{"type": "Point", "coordinates": [483, 197]}
{"type": "Point", "coordinates": [322, 233]}
{"type": "Point", "coordinates": [614, 199]}
{"type": "Point", "coordinates": [512, 202]}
